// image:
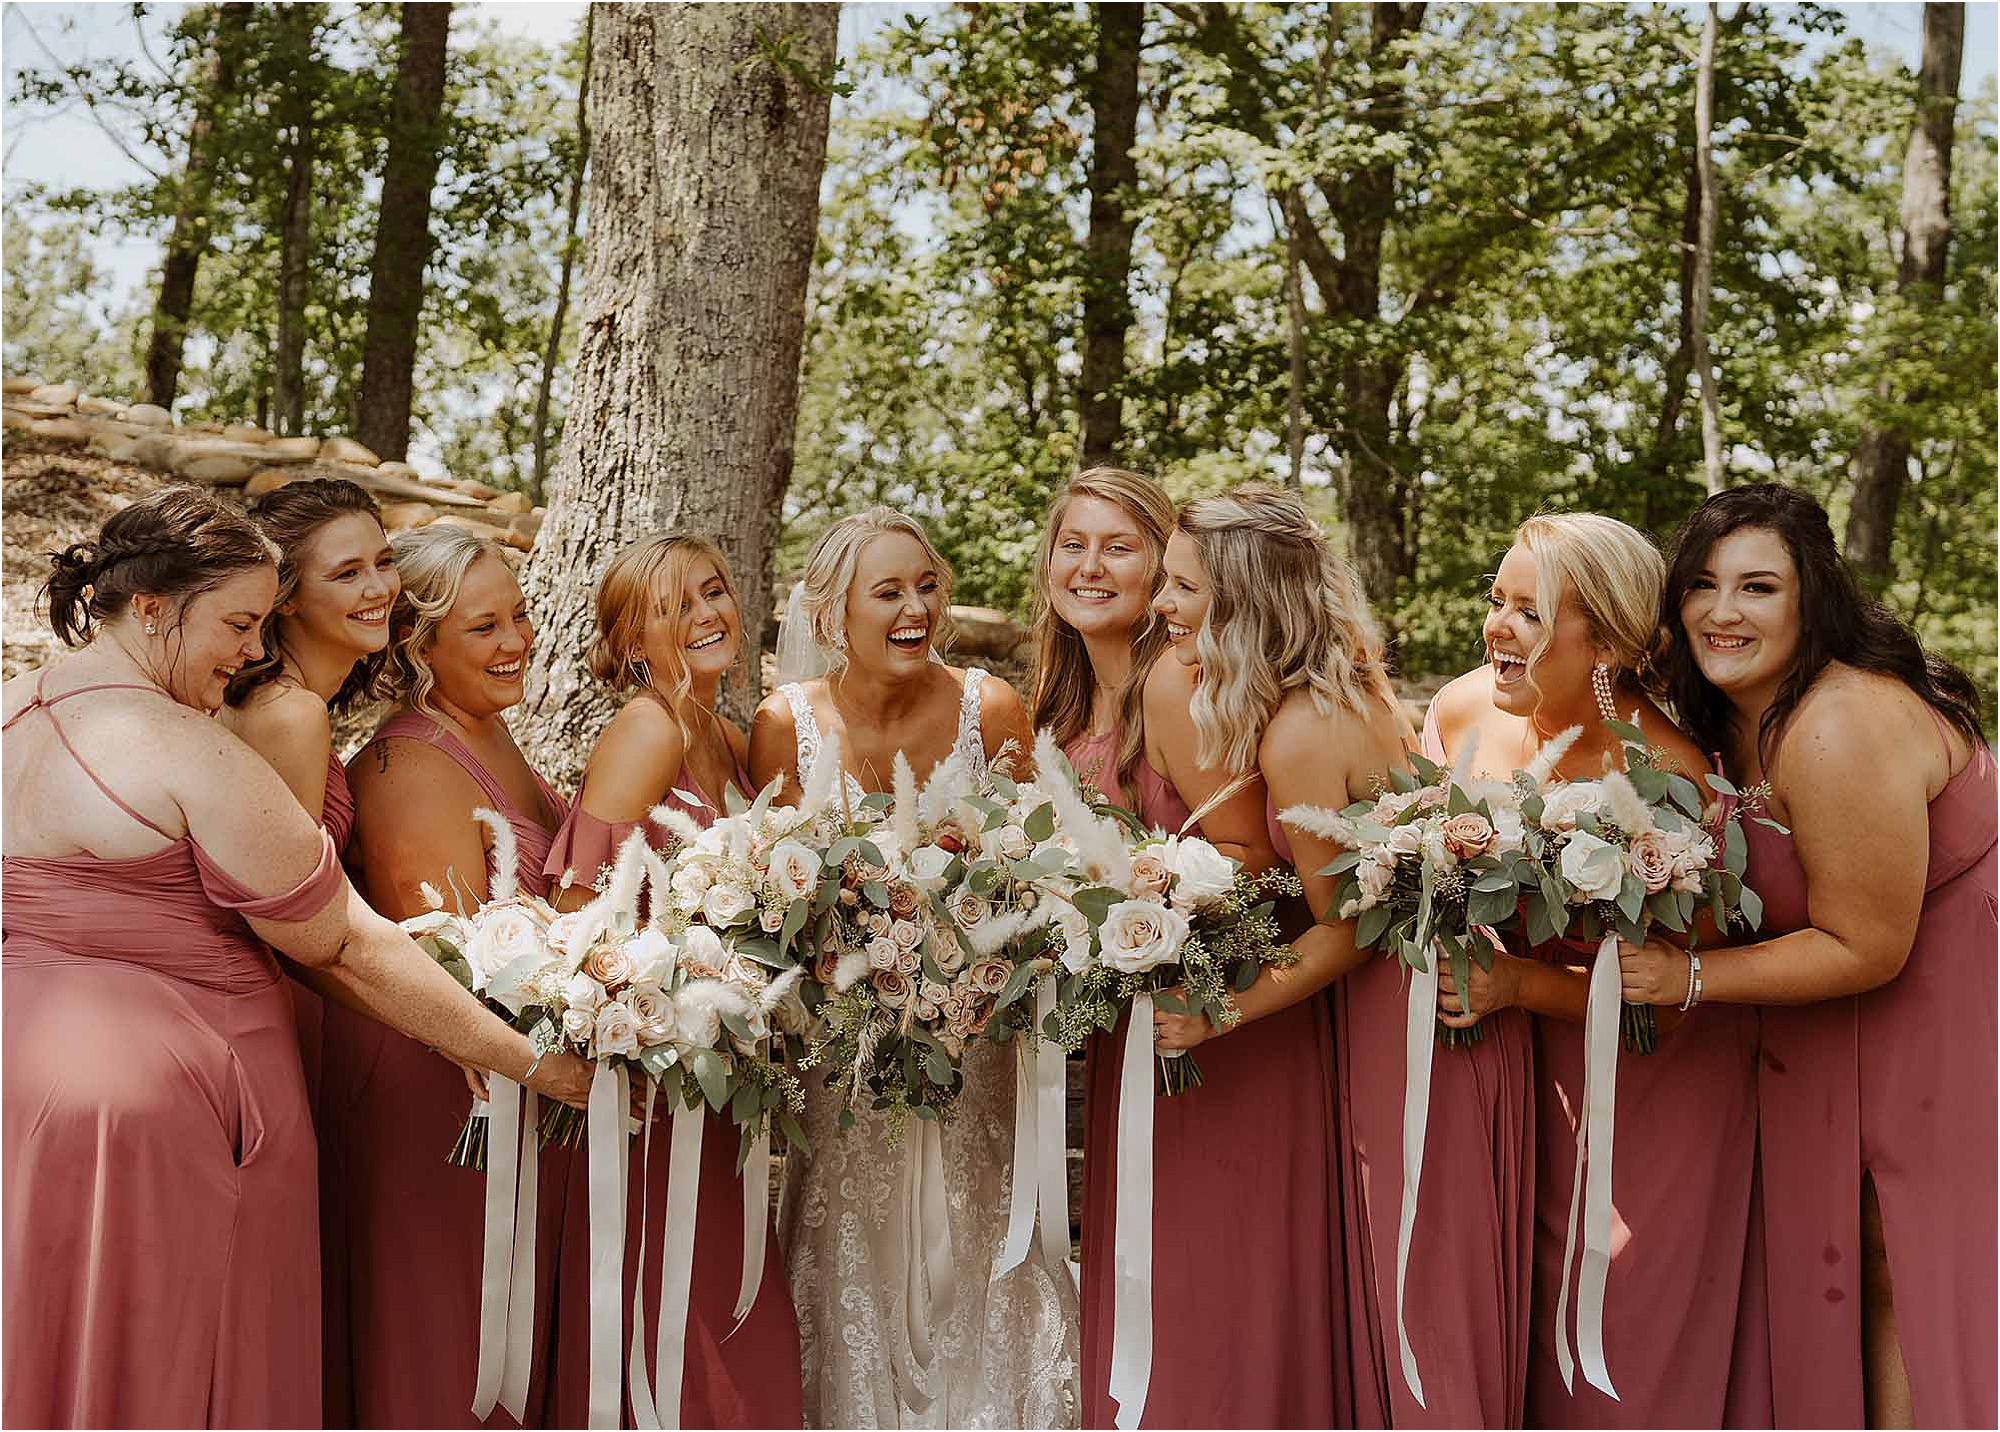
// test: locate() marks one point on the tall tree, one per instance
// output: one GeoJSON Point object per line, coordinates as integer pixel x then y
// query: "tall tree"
{"type": "Point", "coordinates": [573, 209]}
{"type": "Point", "coordinates": [708, 127]}
{"type": "Point", "coordinates": [296, 60]}
{"type": "Point", "coordinates": [1107, 303]}
{"type": "Point", "coordinates": [1882, 458]}
{"type": "Point", "coordinates": [1704, 254]}
{"type": "Point", "coordinates": [402, 232]}
{"type": "Point", "coordinates": [188, 239]}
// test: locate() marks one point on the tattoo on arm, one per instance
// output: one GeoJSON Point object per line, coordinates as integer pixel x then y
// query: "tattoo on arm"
{"type": "Point", "coordinates": [382, 758]}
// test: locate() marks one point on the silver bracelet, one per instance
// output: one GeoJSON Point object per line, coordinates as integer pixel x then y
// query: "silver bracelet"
{"type": "Point", "coordinates": [540, 1054]}
{"type": "Point", "coordinates": [1694, 982]}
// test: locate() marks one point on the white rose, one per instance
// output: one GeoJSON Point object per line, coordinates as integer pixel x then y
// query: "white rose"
{"type": "Point", "coordinates": [882, 953]}
{"type": "Point", "coordinates": [617, 1029]}
{"type": "Point", "coordinates": [562, 932]}
{"type": "Point", "coordinates": [1376, 875]}
{"type": "Point", "coordinates": [1566, 802]}
{"type": "Point", "coordinates": [505, 947]}
{"type": "Point", "coordinates": [1140, 934]}
{"type": "Point", "coordinates": [578, 1024]}
{"type": "Point", "coordinates": [772, 921]}
{"type": "Point", "coordinates": [1407, 839]}
{"type": "Point", "coordinates": [794, 870]}
{"type": "Point", "coordinates": [1594, 869]}
{"type": "Point", "coordinates": [906, 934]}
{"type": "Point", "coordinates": [1008, 842]}
{"type": "Point", "coordinates": [724, 905]}
{"type": "Point", "coordinates": [927, 866]}
{"type": "Point", "coordinates": [1507, 830]}
{"type": "Point", "coordinates": [704, 947]}
{"type": "Point", "coordinates": [1201, 872]}
{"type": "Point", "coordinates": [582, 992]}
{"type": "Point", "coordinates": [1075, 931]}
{"type": "Point", "coordinates": [689, 882]}
{"type": "Point", "coordinates": [969, 910]}
{"type": "Point", "coordinates": [651, 954]}
{"type": "Point", "coordinates": [654, 1013]}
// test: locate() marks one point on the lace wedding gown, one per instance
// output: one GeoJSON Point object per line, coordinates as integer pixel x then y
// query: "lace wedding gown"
{"type": "Point", "coordinates": [1007, 1354]}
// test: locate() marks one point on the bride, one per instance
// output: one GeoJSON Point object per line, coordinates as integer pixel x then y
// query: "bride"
{"type": "Point", "coordinates": [869, 613]}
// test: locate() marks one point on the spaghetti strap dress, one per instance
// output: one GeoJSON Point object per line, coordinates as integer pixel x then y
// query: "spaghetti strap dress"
{"type": "Point", "coordinates": [414, 1222]}
{"type": "Point", "coordinates": [748, 1378]}
{"type": "Point", "coordinates": [1248, 1284]}
{"type": "Point", "coordinates": [1898, 1085]}
{"type": "Point", "coordinates": [1467, 1289]}
{"type": "Point", "coordinates": [161, 1227]}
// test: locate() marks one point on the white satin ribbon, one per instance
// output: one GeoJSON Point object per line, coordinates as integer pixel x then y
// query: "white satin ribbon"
{"type": "Point", "coordinates": [503, 1150]}
{"type": "Point", "coordinates": [1041, 1176]}
{"type": "Point", "coordinates": [606, 1142]}
{"type": "Point", "coordinates": [1419, 1043]}
{"type": "Point", "coordinates": [520, 1355]}
{"type": "Point", "coordinates": [643, 1413]}
{"type": "Point", "coordinates": [930, 1286]}
{"type": "Point", "coordinates": [1132, 1315]}
{"type": "Point", "coordinates": [1592, 1179]}
{"type": "Point", "coordinates": [756, 1222]}
{"type": "Point", "coordinates": [677, 1262]}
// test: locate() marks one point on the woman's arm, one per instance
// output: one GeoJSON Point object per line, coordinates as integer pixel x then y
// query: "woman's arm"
{"type": "Point", "coordinates": [1235, 826]}
{"type": "Point", "coordinates": [774, 747]}
{"type": "Point", "coordinates": [1002, 718]}
{"type": "Point", "coordinates": [637, 761]}
{"type": "Point", "coordinates": [413, 827]}
{"type": "Point", "coordinates": [292, 731]}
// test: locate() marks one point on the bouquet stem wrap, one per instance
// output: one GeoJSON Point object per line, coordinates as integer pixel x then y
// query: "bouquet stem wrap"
{"type": "Point", "coordinates": [507, 1270]}
{"type": "Point", "coordinates": [1132, 1317]}
{"type": "Point", "coordinates": [1419, 1040]}
{"type": "Point", "coordinates": [1592, 1180]}
{"type": "Point", "coordinates": [1040, 1176]}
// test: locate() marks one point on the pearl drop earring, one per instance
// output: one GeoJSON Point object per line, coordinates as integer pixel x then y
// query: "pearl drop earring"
{"type": "Point", "coordinates": [1600, 684]}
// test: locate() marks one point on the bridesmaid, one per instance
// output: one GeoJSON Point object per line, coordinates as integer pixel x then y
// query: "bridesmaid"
{"type": "Point", "coordinates": [1569, 631]}
{"type": "Point", "coordinates": [324, 646]}
{"type": "Point", "coordinates": [160, 1232]}
{"type": "Point", "coordinates": [1095, 631]}
{"type": "Point", "coordinates": [1273, 662]}
{"type": "Point", "coordinates": [1876, 972]}
{"type": "Point", "coordinates": [668, 631]}
{"type": "Point", "coordinates": [415, 1225]}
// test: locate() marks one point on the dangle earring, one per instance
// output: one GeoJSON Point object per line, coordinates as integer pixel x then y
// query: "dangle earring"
{"type": "Point", "coordinates": [1600, 685]}
{"type": "Point", "coordinates": [643, 672]}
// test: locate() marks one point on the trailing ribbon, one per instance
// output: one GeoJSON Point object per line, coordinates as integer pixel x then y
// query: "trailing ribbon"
{"type": "Point", "coordinates": [496, 1276]}
{"type": "Point", "coordinates": [1041, 1174]}
{"type": "Point", "coordinates": [677, 1262]}
{"type": "Point", "coordinates": [610, 1097]}
{"type": "Point", "coordinates": [1419, 1042]}
{"type": "Point", "coordinates": [1132, 1315]}
{"type": "Point", "coordinates": [1593, 1168]}
{"type": "Point", "coordinates": [756, 1220]}
{"type": "Point", "coordinates": [643, 1414]}
{"type": "Point", "coordinates": [930, 1278]}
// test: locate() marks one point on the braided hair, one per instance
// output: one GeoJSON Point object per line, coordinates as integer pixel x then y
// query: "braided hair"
{"type": "Point", "coordinates": [178, 542]}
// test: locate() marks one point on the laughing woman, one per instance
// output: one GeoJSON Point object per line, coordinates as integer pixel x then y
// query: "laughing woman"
{"type": "Point", "coordinates": [668, 630]}
{"type": "Point", "coordinates": [324, 647]}
{"type": "Point", "coordinates": [1877, 1090]}
{"type": "Point", "coordinates": [1273, 670]}
{"type": "Point", "coordinates": [461, 640]}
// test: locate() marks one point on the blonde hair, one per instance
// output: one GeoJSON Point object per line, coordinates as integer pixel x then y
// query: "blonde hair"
{"type": "Point", "coordinates": [830, 569]}
{"type": "Point", "coordinates": [1615, 574]}
{"type": "Point", "coordinates": [432, 562]}
{"type": "Point", "coordinates": [1064, 679]}
{"type": "Point", "coordinates": [1284, 613]}
{"type": "Point", "coordinates": [626, 595]}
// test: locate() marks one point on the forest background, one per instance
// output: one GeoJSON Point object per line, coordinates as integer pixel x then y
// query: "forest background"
{"type": "Point", "coordinates": [1441, 266]}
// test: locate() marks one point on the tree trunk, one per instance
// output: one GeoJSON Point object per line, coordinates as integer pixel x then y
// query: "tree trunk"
{"type": "Point", "coordinates": [1882, 459]}
{"type": "Point", "coordinates": [1295, 342]}
{"type": "Point", "coordinates": [402, 233]}
{"type": "Point", "coordinates": [1107, 304]}
{"type": "Point", "coordinates": [295, 223]}
{"type": "Point", "coordinates": [1704, 256]}
{"type": "Point", "coordinates": [539, 481]}
{"type": "Point", "coordinates": [708, 143]}
{"type": "Point", "coordinates": [188, 239]}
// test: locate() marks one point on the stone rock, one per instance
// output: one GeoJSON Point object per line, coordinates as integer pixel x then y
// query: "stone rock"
{"type": "Point", "coordinates": [528, 524]}
{"type": "Point", "coordinates": [100, 407]}
{"type": "Point", "coordinates": [28, 407]}
{"type": "Point", "coordinates": [247, 433]}
{"type": "Point", "coordinates": [519, 541]}
{"type": "Point", "coordinates": [514, 557]}
{"type": "Point", "coordinates": [471, 487]}
{"type": "Point", "coordinates": [290, 449]}
{"type": "Point", "coordinates": [14, 421]}
{"type": "Point", "coordinates": [268, 479]}
{"type": "Point", "coordinates": [62, 430]}
{"type": "Point", "coordinates": [402, 516]}
{"type": "Point", "coordinates": [115, 446]}
{"type": "Point", "coordinates": [20, 385]}
{"type": "Point", "coordinates": [438, 479]}
{"type": "Point", "coordinates": [153, 450]}
{"type": "Point", "coordinates": [343, 449]}
{"type": "Point", "coordinates": [206, 425]}
{"type": "Point", "coordinates": [148, 415]}
{"type": "Point", "coordinates": [218, 471]}
{"type": "Point", "coordinates": [401, 487]}
{"type": "Point", "coordinates": [985, 632]}
{"type": "Point", "coordinates": [397, 469]}
{"type": "Point", "coordinates": [61, 394]}
{"type": "Point", "coordinates": [515, 503]}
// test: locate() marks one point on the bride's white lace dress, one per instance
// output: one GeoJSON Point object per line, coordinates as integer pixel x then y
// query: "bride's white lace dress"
{"type": "Point", "coordinates": [1007, 1354]}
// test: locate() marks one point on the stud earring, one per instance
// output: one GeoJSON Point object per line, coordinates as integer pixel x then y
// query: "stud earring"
{"type": "Point", "coordinates": [1600, 685]}
{"type": "Point", "coordinates": [151, 630]}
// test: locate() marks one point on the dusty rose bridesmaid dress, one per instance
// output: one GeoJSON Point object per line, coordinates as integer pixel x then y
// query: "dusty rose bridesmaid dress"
{"type": "Point", "coordinates": [1898, 1084]}
{"type": "Point", "coordinates": [1248, 1287]}
{"type": "Point", "coordinates": [413, 1222]}
{"type": "Point", "coordinates": [161, 1236]}
{"type": "Point", "coordinates": [1466, 1296]}
{"type": "Point", "coordinates": [750, 1379]}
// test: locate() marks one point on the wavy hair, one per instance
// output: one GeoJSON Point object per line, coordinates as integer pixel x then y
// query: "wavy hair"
{"type": "Point", "coordinates": [432, 562]}
{"type": "Point", "coordinates": [1064, 678]}
{"type": "Point", "coordinates": [1838, 621]}
{"type": "Point", "coordinates": [643, 574]}
{"type": "Point", "coordinates": [178, 543]}
{"type": "Point", "coordinates": [1285, 613]}
{"type": "Point", "coordinates": [830, 569]}
{"type": "Point", "coordinates": [1614, 574]}
{"type": "Point", "coordinates": [290, 517]}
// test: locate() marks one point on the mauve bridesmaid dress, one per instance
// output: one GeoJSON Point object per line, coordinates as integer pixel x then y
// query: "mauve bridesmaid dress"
{"type": "Point", "coordinates": [1899, 1084]}
{"type": "Point", "coordinates": [750, 1379]}
{"type": "Point", "coordinates": [161, 1233]}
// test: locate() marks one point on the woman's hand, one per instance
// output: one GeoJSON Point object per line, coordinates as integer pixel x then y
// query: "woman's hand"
{"type": "Point", "coordinates": [565, 1078]}
{"type": "Point", "coordinates": [475, 1078]}
{"type": "Point", "coordinates": [1179, 1032]}
{"type": "Point", "coordinates": [1653, 973]}
{"type": "Point", "coordinates": [1485, 990]}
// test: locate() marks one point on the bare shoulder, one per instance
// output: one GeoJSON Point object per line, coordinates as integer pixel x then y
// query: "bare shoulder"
{"type": "Point", "coordinates": [1852, 721]}
{"type": "Point", "coordinates": [403, 767]}
{"type": "Point", "coordinates": [285, 714]}
{"type": "Point", "coordinates": [638, 756]}
{"type": "Point", "coordinates": [1675, 745]}
{"type": "Point", "coordinates": [999, 702]}
{"type": "Point", "coordinates": [739, 741]}
{"type": "Point", "coordinates": [1169, 687]}
{"type": "Point", "coordinates": [1460, 701]}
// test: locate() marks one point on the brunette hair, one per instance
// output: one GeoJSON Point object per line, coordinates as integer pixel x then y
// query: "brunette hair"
{"type": "Point", "coordinates": [432, 561]}
{"type": "Point", "coordinates": [1064, 678]}
{"type": "Point", "coordinates": [1285, 612]}
{"type": "Point", "coordinates": [178, 542]}
{"type": "Point", "coordinates": [1838, 621]}
{"type": "Point", "coordinates": [625, 598]}
{"type": "Point", "coordinates": [290, 517]}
